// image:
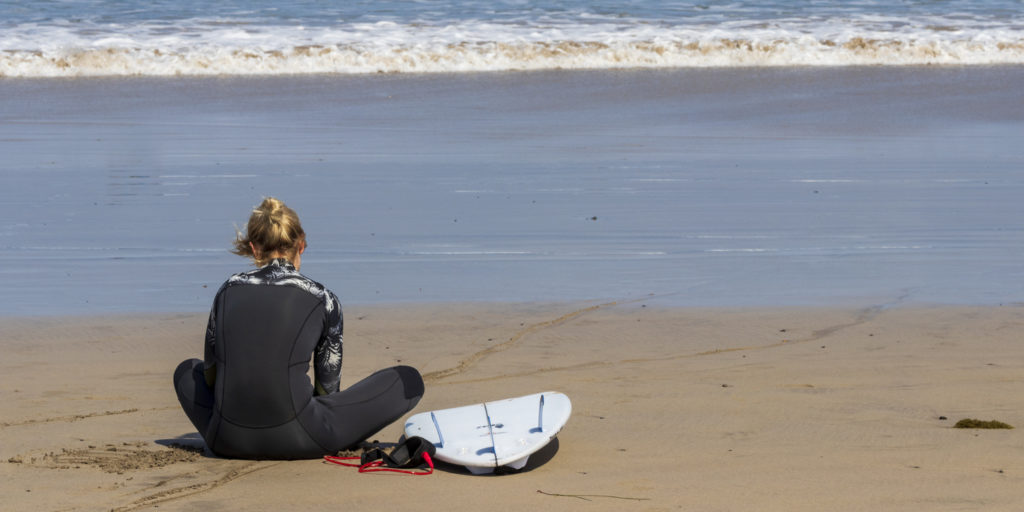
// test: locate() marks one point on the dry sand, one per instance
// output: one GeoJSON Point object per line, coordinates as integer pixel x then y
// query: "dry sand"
{"type": "Point", "coordinates": [674, 409]}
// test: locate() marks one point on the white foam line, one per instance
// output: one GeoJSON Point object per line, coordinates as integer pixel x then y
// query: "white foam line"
{"type": "Point", "coordinates": [180, 176]}
{"type": "Point", "coordinates": [659, 180]}
{"type": "Point", "coordinates": [742, 250]}
{"type": "Point", "coordinates": [827, 181]}
{"type": "Point", "coordinates": [893, 247]}
{"type": "Point", "coordinates": [733, 237]}
{"type": "Point", "coordinates": [488, 47]}
{"type": "Point", "coordinates": [467, 253]}
{"type": "Point", "coordinates": [827, 249]}
{"type": "Point", "coordinates": [57, 248]}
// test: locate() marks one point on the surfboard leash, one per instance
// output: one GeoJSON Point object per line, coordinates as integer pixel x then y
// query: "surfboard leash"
{"type": "Point", "coordinates": [410, 453]}
{"type": "Point", "coordinates": [379, 465]}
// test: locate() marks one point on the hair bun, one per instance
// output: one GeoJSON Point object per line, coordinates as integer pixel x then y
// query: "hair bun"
{"type": "Point", "coordinates": [273, 228]}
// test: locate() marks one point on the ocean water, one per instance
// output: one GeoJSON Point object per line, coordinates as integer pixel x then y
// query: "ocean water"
{"type": "Point", "coordinates": [49, 38]}
{"type": "Point", "coordinates": [710, 154]}
{"type": "Point", "coordinates": [725, 187]}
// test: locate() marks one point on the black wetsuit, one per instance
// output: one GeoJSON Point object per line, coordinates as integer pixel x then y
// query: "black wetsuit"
{"type": "Point", "coordinates": [264, 326]}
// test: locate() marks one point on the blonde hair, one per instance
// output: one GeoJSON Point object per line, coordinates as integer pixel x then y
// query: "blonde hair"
{"type": "Point", "coordinates": [273, 228]}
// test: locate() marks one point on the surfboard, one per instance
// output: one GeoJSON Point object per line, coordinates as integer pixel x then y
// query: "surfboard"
{"type": "Point", "coordinates": [485, 436]}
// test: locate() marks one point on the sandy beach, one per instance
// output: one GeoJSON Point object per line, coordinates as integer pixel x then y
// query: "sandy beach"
{"type": "Point", "coordinates": [770, 250]}
{"type": "Point", "coordinates": [674, 409]}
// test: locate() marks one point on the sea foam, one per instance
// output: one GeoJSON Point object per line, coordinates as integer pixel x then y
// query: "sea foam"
{"type": "Point", "coordinates": [228, 47]}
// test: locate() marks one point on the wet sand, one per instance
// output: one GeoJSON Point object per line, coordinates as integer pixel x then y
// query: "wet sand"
{"type": "Point", "coordinates": [724, 187]}
{"type": "Point", "coordinates": [674, 409]}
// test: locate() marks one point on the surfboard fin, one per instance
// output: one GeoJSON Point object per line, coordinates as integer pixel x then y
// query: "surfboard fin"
{"type": "Point", "coordinates": [540, 418]}
{"type": "Point", "coordinates": [478, 470]}
{"type": "Point", "coordinates": [440, 438]}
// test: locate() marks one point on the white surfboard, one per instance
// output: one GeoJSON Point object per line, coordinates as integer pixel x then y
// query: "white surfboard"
{"type": "Point", "coordinates": [485, 436]}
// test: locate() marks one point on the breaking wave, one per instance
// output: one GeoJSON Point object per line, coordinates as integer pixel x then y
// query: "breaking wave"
{"type": "Point", "coordinates": [210, 48]}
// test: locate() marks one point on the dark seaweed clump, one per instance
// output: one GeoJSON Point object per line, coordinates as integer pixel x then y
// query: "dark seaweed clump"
{"type": "Point", "coordinates": [973, 423]}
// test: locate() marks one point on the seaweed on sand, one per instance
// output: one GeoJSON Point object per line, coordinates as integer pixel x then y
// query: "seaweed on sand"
{"type": "Point", "coordinates": [973, 423]}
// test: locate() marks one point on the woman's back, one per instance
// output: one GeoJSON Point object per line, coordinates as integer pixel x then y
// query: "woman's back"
{"type": "Point", "coordinates": [265, 336]}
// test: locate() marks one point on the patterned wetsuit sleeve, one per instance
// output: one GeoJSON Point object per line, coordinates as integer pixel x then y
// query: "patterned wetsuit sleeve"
{"type": "Point", "coordinates": [327, 356]}
{"type": "Point", "coordinates": [211, 338]}
{"type": "Point", "coordinates": [210, 342]}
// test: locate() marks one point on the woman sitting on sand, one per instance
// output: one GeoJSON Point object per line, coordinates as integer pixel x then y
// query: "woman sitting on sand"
{"type": "Point", "coordinates": [251, 397]}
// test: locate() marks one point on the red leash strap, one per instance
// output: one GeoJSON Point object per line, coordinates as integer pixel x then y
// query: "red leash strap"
{"type": "Point", "coordinates": [377, 465]}
{"type": "Point", "coordinates": [338, 460]}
